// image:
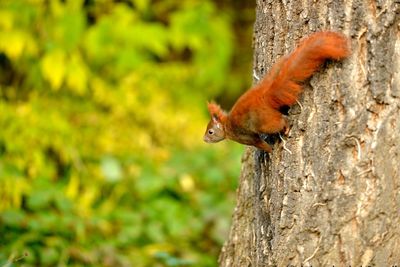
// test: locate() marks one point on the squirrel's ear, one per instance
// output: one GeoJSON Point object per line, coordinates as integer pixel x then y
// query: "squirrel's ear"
{"type": "Point", "coordinates": [215, 118]}
{"type": "Point", "coordinates": [211, 106]}
{"type": "Point", "coordinates": [215, 111]}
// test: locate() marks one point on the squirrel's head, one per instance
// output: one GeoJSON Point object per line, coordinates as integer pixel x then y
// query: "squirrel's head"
{"type": "Point", "coordinates": [215, 129]}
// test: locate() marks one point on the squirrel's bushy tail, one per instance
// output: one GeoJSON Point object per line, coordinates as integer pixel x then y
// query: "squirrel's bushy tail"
{"type": "Point", "coordinates": [281, 86]}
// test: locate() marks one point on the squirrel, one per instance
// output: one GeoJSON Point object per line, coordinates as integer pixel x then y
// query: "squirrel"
{"type": "Point", "coordinates": [258, 111]}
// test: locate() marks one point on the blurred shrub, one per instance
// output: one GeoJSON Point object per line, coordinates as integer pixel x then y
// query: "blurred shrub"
{"type": "Point", "coordinates": [102, 109]}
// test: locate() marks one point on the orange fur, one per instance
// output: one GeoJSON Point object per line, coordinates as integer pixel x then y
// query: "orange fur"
{"type": "Point", "coordinates": [257, 110]}
{"type": "Point", "coordinates": [283, 88]}
{"type": "Point", "coordinates": [216, 111]}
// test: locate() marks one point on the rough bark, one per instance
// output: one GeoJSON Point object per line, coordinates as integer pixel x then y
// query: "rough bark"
{"type": "Point", "coordinates": [335, 201]}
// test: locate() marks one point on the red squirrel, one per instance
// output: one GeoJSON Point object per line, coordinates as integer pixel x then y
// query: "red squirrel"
{"type": "Point", "coordinates": [257, 111]}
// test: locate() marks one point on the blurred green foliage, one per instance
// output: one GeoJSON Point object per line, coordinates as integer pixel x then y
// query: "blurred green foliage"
{"type": "Point", "coordinates": [102, 111]}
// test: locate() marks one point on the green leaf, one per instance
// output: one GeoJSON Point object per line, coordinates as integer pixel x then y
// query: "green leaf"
{"type": "Point", "coordinates": [12, 217]}
{"type": "Point", "coordinates": [39, 200]}
{"type": "Point", "coordinates": [69, 29]}
{"type": "Point", "coordinates": [49, 256]}
{"type": "Point", "coordinates": [63, 203]}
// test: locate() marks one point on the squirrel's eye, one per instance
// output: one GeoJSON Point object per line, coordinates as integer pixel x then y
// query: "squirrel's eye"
{"type": "Point", "coordinates": [210, 131]}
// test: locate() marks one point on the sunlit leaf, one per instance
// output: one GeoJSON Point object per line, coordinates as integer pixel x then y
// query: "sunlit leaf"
{"type": "Point", "coordinates": [53, 68]}
{"type": "Point", "coordinates": [72, 189]}
{"type": "Point", "coordinates": [12, 43]}
{"type": "Point", "coordinates": [141, 5]}
{"type": "Point", "coordinates": [186, 182]}
{"type": "Point", "coordinates": [77, 75]}
{"type": "Point", "coordinates": [111, 169]}
{"type": "Point", "coordinates": [6, 20]}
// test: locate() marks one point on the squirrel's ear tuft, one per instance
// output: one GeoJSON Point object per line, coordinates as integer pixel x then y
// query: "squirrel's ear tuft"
{"type": "Point", "coordinates": [215, 111]}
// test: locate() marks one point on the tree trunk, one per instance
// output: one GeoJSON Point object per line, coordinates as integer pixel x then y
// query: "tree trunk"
{"type": "Point", "coordinates": [335, 199]}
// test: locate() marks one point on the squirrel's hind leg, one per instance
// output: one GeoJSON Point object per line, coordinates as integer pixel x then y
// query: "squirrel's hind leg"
{"type": "Point", "coordinates": [263, 146]}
